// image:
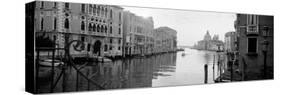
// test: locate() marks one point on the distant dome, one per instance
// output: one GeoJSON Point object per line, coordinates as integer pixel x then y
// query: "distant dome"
{"type": "Point", "coordinates": [216, 37]}
{"type": "Point", "coordinates": [207, 36]}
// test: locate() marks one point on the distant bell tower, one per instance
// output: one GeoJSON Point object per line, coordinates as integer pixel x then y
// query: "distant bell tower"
{"type": "Point", "coordinates": [207, 36]}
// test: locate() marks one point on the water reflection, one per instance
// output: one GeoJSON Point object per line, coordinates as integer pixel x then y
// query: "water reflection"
{"type": "Point", "coordinates": [159, 70]}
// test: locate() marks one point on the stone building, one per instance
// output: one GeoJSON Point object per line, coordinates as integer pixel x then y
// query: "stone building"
{"type": "Point", "coordinates": [255, 45]}
{"type": "Point", "coordinates": [138, 38]}
{"type": "Point", "coordinates": [209, 43]}
{"type": "Point", "coordinates": [230, 40]}
{"type": "Point", "coordinates": [98, 26]}
{"type": "Point", "coordinates": [165, 40]}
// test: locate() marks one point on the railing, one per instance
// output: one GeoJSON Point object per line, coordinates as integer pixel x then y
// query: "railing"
{"type": "Point", "coordinates": [69, 62]}
{"type": "Point", "coordinates": [252, 29]}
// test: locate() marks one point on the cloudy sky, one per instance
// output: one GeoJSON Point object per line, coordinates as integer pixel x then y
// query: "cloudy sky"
{"type": "Point", "coordinates": [191, 26]}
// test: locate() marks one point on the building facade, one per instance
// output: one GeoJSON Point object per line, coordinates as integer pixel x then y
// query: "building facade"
{"type": "Point", "coordinates": [138, 37]}
{"type": "Point", "coordinates": [99, 27]}
{"type": "Point", "coordinates": [255, 45]}
{"type": "Point", "coordinates": [165, 40]}
{"type": "Point", "coordinates": [230, 40]}
{"type": "Point", "coordinates": [105, 30]}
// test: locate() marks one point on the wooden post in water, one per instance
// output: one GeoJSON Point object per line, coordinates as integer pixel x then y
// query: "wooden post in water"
{"type": "Point", "coordinates": [219, 66]}
{"type": "Point", "coordinates": [214, 59]}
{"type": "Point", "coordinates": [206, 73]}
{"type": "Point", "coordinates": [53, 65]}
{"type": "Point", "coordinates": [231, 72]}
{"type": "Point", "coordinates": [37, 71]}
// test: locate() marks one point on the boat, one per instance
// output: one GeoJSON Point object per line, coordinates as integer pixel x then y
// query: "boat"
{"type": "Point", "coordinates": [104, 59]}
{"type": "Point", "coordinates": [48, 62]}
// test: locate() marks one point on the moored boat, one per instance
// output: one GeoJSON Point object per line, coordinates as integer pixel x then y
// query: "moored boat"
{"type": "Point", "coordinates": [48, 62]}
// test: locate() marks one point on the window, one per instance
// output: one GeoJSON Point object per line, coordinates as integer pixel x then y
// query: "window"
{"type": "Point", "coordinates": [252, 45]}
{"type": "Point", "coordinates": [42, 4]}
{"type": "Point", "coordinates": [102, 29]}
{"type": "Point", "coordinates": [120, 17]}
{"type": "Point", "coordinates": [266, 31]}
{"type": "Point", "coordinates": [89, 47]}
{"type": "Point", "coordinates": [55, 4]}
{"type": "Point", "coordinates": [82, 25]}
{"type": "Point", "coordinates": [119, 41]}
{"type": "Point", "coordinates": [105, 47]}
{"type": "Point", "coordinates": [83, 8]}
{"type": "Point", "coordinates": [105, 13]}
{"type": "Point", "coordinates": [110, 41]}
{"type": "Point", "coordinates": [66, 23]}
{"type": "Point", "coordinates": [119, 48]}
{"type": "Point", "coordinates": [102, 11]}
{"type": "Point", "coordinates": [98, 10]}
{"type": "Point", "coordinates": [110, 48]}
{"type": "Point", "coordinates": [66, 5]}
{"type": "Point", "coordinates": [42, 24]}
{"type": "Point", "coordinates": [90, 27]}
{"type": "Point", "coordinates": [82, 39]}
{"type": "Point", "coordinates": [252, 22]}
{"type": "Point", "coordinates": [90, 9]}
{"type": "Point", "coordinates": [110, 30]}
{"type": "Point", "coordinates": [252, 19]}
{"type": "Point", "coordinates": [105, 29]}
{"type": "Point", "coordinates": [119, 31]}
{"type": "Point", "coordinates": [55, 23]}
{"type": "Point", "coordinates": [94, 9]}
{"type": "Point", "coordinates": [94, 28]}
{"type": "Point", "coordinates": [98, 28]}
{"type": "Point", "coordinates": [111, 14]}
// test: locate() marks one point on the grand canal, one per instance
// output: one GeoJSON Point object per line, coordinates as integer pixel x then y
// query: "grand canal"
{"type": "Point", "coordinates": [168, 69]}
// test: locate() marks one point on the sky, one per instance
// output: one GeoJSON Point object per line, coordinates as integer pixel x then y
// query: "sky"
{"type": "Point", "coordinates": [191, 26]}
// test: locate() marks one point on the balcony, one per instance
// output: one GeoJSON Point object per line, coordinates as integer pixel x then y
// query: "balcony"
{"type": "Point", "coordinates": [252, 30]}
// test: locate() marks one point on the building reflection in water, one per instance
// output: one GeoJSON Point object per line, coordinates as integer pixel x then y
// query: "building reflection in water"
{"type": "Point", "coordinates": [127, 73]}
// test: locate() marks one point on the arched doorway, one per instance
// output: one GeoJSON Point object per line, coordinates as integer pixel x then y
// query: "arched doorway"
{"type": "Point", "coordinates": [97, 48]}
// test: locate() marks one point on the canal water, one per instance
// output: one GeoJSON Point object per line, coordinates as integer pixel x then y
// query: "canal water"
{"type": "Point", "coordinates": [169, 69]}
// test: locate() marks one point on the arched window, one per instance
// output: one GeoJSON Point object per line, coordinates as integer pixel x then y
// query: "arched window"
{"type": "Point", "coordinates": [94, 28]}
{"type": "Point", "coordinates": [90, 27]}
{"type": "Point", "coordinates": [105, 29]}
{"type": "Point", "coordinates": [101, 29]}
{"type": "Point", "coordinates": [42, 24]}
{"type": "Point", "coordinates": [98, 28]}
{"type": "Point", "coordinates": [66, 23]}
{"type": "Point", "coordinates": [83, 25]}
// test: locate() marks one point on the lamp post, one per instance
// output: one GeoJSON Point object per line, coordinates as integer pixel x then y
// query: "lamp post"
{"type": "Point", "coordinates": [265, 46]}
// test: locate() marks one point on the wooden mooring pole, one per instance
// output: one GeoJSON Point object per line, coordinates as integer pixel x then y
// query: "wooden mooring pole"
{"type": "Point", "coordinates": [206, 73]}
{"type": "Point", "coordinates": [37, 71]}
